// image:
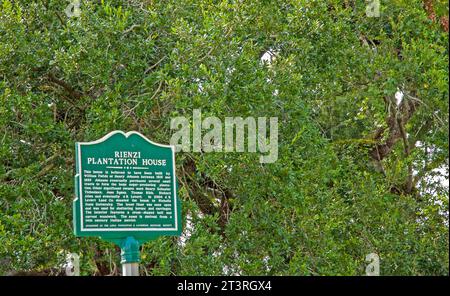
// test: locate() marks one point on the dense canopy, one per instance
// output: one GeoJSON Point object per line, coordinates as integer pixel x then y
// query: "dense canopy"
{"type": "Point", "coordinates": [362, 108]}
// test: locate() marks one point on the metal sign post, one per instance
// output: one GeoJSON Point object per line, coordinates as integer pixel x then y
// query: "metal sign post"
{"type": "Point", "coordinates": [130, 257]}
{"type": "Point", "coordinates": [130, 269]}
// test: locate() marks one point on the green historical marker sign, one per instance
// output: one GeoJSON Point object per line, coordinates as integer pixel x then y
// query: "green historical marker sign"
{"type": "Point", "coordinates": [125, 190]}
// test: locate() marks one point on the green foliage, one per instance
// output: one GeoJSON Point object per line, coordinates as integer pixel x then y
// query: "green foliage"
{"type": "Point", "coordinates": [326, 203]}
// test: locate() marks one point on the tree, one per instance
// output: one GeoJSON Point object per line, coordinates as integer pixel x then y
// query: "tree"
{"type": "Point", "coordinates": [362, 106]}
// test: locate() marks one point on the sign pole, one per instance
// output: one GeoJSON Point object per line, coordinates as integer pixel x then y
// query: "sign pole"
{"type": "Point", "coordinates": [130, 257]}
{"type": "Point", "coordinates": [130, 269]}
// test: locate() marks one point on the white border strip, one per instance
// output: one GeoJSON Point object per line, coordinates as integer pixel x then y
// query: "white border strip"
{"type": "Point", "coordinates": [81, 190]}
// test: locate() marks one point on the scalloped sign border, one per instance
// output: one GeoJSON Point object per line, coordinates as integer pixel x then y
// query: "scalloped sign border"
{"type": "Point", "coordinates": [105, 147]}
